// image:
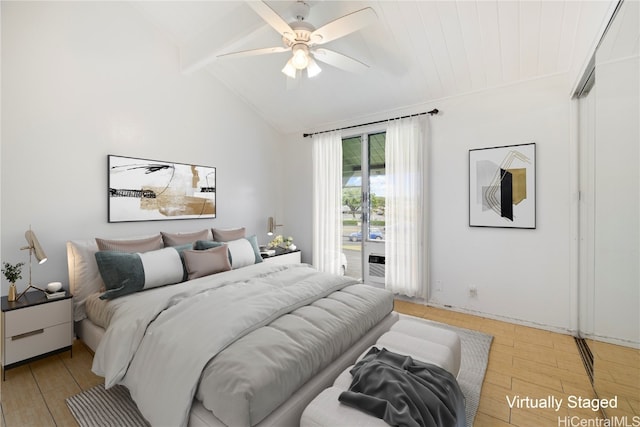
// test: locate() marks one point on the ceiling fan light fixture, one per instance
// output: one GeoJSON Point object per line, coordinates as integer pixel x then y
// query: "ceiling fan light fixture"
{"type": "Point", "coordinates": [300, 58]}
{"type": "Point", "coordinates": [313, 69]}
{"type": "Point", "coordinates": [289, 69]}
{"type": "Point", "coordinates": [300, 37]}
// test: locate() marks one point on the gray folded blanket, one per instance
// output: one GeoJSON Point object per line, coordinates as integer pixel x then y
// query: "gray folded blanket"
{"type": "Point", "coordinates": [405, 392]}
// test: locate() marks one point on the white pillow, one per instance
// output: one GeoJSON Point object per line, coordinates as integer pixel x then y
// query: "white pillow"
{"type": "Point", "coordinates": [84, 276]}
{"type": "Point", "coordinates": [243, 252]}
{"type": "Point", "coordinates": [161, 267]}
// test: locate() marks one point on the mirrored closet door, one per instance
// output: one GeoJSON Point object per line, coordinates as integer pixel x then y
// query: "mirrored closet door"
{"type": "Point", "coordinates": [610, 211]}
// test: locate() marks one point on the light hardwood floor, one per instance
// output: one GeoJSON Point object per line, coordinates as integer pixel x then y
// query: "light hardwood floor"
{"type": "Point", "coordinates": [523, 361]}
{"type": "Point", "coordinates": [534, 363]}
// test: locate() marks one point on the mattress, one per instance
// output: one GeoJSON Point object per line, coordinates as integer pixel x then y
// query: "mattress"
{"type": "Point", "coordinates": [261, 369]}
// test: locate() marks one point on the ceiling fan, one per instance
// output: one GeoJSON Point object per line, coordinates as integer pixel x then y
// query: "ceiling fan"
{"type": "Point", "coordinates": [303, 39]}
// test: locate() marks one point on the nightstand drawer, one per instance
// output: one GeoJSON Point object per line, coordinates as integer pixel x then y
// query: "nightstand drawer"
{"type": "Point", "coordinates": [36, 343]}
{"type": "Point", "coordinates": [37, 317]}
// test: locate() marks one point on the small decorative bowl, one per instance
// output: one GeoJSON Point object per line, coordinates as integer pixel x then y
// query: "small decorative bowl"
{"type": "Point", "coordinates": [54, 286]}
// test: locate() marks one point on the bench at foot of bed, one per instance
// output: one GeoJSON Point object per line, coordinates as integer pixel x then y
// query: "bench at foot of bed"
{"type": "Point", "coordinates": [410, 336]}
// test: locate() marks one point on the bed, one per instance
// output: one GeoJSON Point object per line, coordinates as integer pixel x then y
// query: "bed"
{"type": "Point", "coordinates": [249, 345]}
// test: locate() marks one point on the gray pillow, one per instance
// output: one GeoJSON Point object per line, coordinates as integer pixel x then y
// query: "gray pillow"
{"type": "Point", "coordinates": [201, 245]}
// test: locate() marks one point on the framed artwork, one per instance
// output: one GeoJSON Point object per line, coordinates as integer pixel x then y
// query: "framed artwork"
{"type": "Point", "coordinates": [502, 186]}
{"type": "Point", "coordinates": [148, 190]}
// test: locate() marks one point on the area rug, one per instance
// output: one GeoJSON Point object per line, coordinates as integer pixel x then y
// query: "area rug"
{"type": "Point", "coordinates": [98, 407]}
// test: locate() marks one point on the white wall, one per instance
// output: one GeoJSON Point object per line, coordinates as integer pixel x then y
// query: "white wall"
{"type": "Point", "coordinates": [523, 275]}
{"type": "Point", "coordinates": [519, 274]}
{"type": "Point", "coordinates": [298, 213]}
{"type": "Point", "coordinates": [81, 80]}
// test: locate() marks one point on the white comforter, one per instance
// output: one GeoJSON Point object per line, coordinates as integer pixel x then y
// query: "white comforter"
{"type": "Point", "coordinates": [159, 341]}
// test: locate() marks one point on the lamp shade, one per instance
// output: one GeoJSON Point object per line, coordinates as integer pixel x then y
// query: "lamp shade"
{"type": "Point", "coordinates": [34, 245]}
{"type": "Point", "coordinates": [272, 225]}
{"type": "Point", "coordinates": [300, 58]}
{"type": "Point", "coordinates": [289, 69]}
{"type": "Point", "coordinates": [313, 69]}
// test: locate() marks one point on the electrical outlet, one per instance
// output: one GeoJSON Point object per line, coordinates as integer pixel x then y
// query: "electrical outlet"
{"type": "Point", "coordinates": [438, 285]}
{"type": "Point", "coordinates": [473, 291]}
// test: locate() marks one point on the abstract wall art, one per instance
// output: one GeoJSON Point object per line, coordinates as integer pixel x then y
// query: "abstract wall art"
{"type": "Point", "coordinates": [148, 190]}
{"type": "Point", "coordinates": [502, 186]}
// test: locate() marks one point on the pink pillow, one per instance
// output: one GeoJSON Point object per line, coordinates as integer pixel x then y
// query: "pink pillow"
{"type": "Point", "coordinates": [131, 245]}
{"type": "Point", "coordinates": [207, 262]}
{"type": "Point", "coordinates": [226, 235]}
{"type": "Point", "coordinates": [177, 239]}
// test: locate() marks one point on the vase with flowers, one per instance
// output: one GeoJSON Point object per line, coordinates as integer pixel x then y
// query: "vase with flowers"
{"type": "Point", "coordinates": [282, 242]}
{"type": "Point", "coordinates": [12, 272]}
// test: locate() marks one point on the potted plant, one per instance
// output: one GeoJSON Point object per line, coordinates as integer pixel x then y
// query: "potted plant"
{"type": "Point", "coordinates": [12, 272]}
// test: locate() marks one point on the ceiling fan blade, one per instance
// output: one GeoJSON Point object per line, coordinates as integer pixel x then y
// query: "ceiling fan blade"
{"type": "Point", "coordinates": [339, 60]}
{"type": "Point", "coordinates": [344, 25]}
{"type": "Point", "coordinates": [272, 18]}
{"type": "Point", "coordinates": [254, 52]}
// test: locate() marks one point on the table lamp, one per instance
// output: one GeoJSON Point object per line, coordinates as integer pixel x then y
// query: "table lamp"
{"type": "Point", "coordinates": [34, 249]}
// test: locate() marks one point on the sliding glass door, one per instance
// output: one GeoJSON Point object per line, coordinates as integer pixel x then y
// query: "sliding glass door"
{"type": "Point", "coordinates": [363, 206]}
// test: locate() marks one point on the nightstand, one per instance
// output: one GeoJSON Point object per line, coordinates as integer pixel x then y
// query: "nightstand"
{"type": "Point", "coordinates": [35, 327]}
{"type": "Point", "coordinates": [284, 256]}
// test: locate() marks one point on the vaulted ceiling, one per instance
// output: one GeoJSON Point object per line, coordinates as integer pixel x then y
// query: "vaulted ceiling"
{"type": "Point", "coordinates": [418, 51]}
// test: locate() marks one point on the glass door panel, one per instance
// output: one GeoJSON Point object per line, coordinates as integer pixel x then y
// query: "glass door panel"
{"type": "Point", "coordinates": [363, 206]}
{"type": "Point", "coordinates": [352, 206]}
{"type": "Point", "coordinates": [373, 258]}
{"type": "Point", "coordinates": [377, 187]}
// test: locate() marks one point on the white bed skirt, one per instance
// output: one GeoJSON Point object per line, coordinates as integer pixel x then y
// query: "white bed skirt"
{"type": "Point", "coordinates": [89, 333]}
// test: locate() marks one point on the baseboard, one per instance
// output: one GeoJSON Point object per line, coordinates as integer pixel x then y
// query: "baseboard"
{"type": "Point", "coordinates": [611, 340]}
{"type": "Point", "coordinates": [516, 321]}
{"type": "Point", "coordinates": [522, 322]}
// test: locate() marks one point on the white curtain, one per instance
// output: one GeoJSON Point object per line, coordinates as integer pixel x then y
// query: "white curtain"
{"type": "Point", "coordinates": [405, 265]}
{"type": "Point", "coordinates": [327, 201]}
